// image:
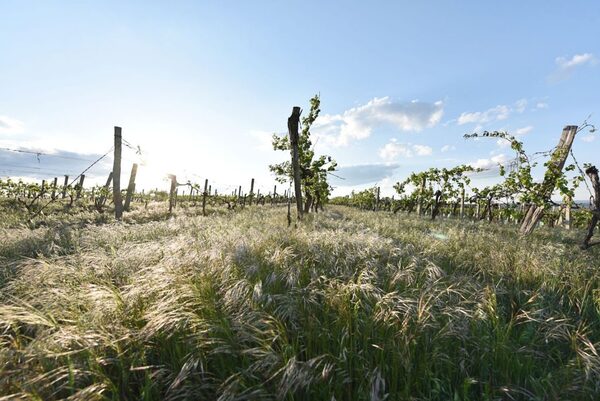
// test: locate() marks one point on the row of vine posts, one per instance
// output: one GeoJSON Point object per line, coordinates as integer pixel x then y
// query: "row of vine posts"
{"type": "Point", "coordinates": [531, 211]}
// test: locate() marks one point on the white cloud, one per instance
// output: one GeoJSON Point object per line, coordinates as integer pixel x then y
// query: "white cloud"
{"type": "Point", "coordinates": [498, 113]}
{"type": "Point", "coordinates": [588, 138]}
{"type": "Point", "coordinates": [422, 150]}
{"type": "Point", "coordinates": [566, 66]}
{"type": "Point", "coordinates": [541, 105]}
{"type": "Point", "coordinates": [574, 61]}
{"type": "Point", "coordinates": [523, 131]}
{"type": "Point", "coordinates": [518, 133]}
{"type": "Point", "coordinates": [447, 148]}
{"type": "Point", "coordinates": [392, 150]}
{"type": "Point", "coordinates": [362, 174]}
{"type": "Point", "coordinates": [358, 122]}
{"type": "Point", "coordinates": [494, 161]}
{"type": "Point", "coordinates": [10, 125]}
{"type": "Point", "coordinates": [520, 105]}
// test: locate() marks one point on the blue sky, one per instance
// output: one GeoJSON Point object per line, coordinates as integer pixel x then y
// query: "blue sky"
{"type": "Point", "coordinates": [200, 86]}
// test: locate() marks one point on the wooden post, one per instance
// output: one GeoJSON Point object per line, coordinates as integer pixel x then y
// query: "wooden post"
{"type": "Point", "coordinates": [567, 220]}
{"type": "Point", "coordinates": [130, 187]}
{"type": "Point", "coordinates": [172, 192]}
{"type": "Point", "coordinates": [462, 204]}
{"type": "Point", "coordinates": [54, 188]}
{"type": "Point", "coordinates": [251, 192]}
{"type": "Point", "coordinates": [289, 212]}
{"type": "Point", "coordinates": [377, 201]}
{"type": "Point", "coordinates": [65, 185]}
{"type": "Point", "coordinates": [117, 200]}
{"type": "Point", "coordinates": [274, 194]}
{"type": "Point", "coordinates": [293, 122]}
{"type": "Point", "coordinates": [555, 166]}
{"type": "Point", "coordinates": [80, 186]}
{"type": "Point", "coordinates": [204, 197]}
{"type": "Point", "coordinates": [592, 173]}
{"type": "Point", "coordinates": [209, 190]}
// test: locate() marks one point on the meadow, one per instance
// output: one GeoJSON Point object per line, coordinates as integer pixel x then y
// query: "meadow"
{"type": "Point", "coordinates": [350, 305]}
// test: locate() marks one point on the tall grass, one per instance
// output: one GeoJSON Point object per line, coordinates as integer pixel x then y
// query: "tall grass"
{"type": "Point", "coordinates": [351, 305]}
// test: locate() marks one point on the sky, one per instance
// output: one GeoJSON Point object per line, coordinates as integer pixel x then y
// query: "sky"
{"type": "Point", "coordinates": [200, 87]}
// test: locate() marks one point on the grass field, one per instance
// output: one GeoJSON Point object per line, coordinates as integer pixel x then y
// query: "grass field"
{"type": "Point", "coordinates": [351, 305]}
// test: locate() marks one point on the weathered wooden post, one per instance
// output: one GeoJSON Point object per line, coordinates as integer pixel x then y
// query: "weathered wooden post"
{"type": "Point", "coordinates": [204, 197]}
{"type": "Point", "coordinates": [567, 220]}
{"type": "Point", "coordinates": [130, 187]}
{"type": "Point", "coordinates": [172, 192]}
{"type": "Point", "coordinates": [117, 199]}
{"type": "Point", "coordinates": [251, 192]}
{"type": "Point", "coordinates": [54, 188]}
{"type": "Point", "coordinates": [209, 190]}
{"type": "Point", "coordinates": [377, 200]}
{"type": "Point", "coordinates": [462, 204]}
{"type": "Point", "coordinates": [43, 188]}
{"type": "Point", "coordinates": [289, 212]}
{"type": "Point", "coordinates": [80, 186]}
{"type": "Point", "coordinates": [65, 185]}
{"type": "Point", "coordinates": [293, 122]}
{"type": "Point", "coordinates": [274, 195]}
{"type": "Point", "coordinates": [592, 173]}
{"type": "Point", "coordinates": [555, 167]}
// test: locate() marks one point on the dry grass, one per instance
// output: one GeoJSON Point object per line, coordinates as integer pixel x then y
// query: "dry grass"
{"type": "Point", "coordinates": [352, 305]}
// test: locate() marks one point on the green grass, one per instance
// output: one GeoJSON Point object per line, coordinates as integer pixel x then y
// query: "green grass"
{"type": "Point", "coordinates": [351, 305]}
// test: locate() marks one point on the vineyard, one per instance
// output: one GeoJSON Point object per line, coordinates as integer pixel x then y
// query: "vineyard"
{"type": "Point", "coordinates": [442, 291]}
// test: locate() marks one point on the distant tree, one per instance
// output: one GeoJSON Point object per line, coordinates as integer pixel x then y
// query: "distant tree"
{"type": "Point", "coordinates": [313, 170]}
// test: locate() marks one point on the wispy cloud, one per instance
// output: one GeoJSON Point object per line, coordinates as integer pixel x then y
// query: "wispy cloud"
{"type": "Point", "coordinates": [447, 148]}
{"type": "Point", "coordinates": [492, 162]}
{"type": "Point", "coordinates": [363, 174]}
{"type": "Point", "coordinates": [497, 113]}
{"type": "Point", "coordinates": [10, 125]}
{"type": "Point", "coordinates": [566, 65]}
{"type": "Point", "coordinates": [392, 150]}
{"type": "Point", "coordinates": [422, 150]}
{"type": "Point", "coordinates": [24, 162]}
{"type": "Point", "coordinates": [359, 122]}
{"type": "Point", "coordinates": [588, 138]}
{"type": "Point", "coordinates": [523, 131]}
{"type": "Point", "coordinates": [517, 133]}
